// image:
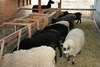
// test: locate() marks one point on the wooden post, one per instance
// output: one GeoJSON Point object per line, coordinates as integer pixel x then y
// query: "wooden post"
{"type": "Point", "coordinates": [39, 6]}
{"type": "Point", "coordinates": [26, 2]}
{"type": "Point", "coordinates": [59, 4]}
{"type": "Point", "coordinates": [45, 21]}
{"type": "Point", "coordinates": [29, 31]}
{"type": "Point", "coordinates": [23, 2]}
{"type": "Point", "coordinates": [29, 2]}
{"type": "Point", "coordinates": [1, 51]}
{"type": "Point", "coordinates": [18, 45]}
{"type": "Point", "coordinates": [18, 3]}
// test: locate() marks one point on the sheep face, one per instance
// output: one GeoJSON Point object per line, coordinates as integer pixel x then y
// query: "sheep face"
{"type": "Point", "coordinates": [68, 47]}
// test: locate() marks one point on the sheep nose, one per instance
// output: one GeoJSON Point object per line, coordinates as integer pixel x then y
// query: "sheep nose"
{"type": "Point", "coordinates": [64, 49]}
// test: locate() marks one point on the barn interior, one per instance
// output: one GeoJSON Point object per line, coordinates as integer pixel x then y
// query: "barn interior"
{"type": "Point", "coordinates": [17, 22]}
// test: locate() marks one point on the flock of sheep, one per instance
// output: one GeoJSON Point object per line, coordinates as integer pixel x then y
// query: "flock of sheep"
{"type": "Point", "coordinates": [40, 50]}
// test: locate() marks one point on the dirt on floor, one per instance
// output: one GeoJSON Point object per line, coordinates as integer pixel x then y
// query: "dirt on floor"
{"type": "Point", "coordinates": [90, 55]}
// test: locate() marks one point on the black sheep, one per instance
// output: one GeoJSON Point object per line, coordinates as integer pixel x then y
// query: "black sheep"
{"type": "Point", "coordinates": [78, 16]}
{"type": "Point", "coordinates": [69, 17]}
{"type": "Point", "coordinates": [43, 37]}
{"type": "Point", "coordinates": [64, 14]}
{"type": "Point", "coordinates": [62, 29]}
{"type": "Point", "coordinates": [43, 6]}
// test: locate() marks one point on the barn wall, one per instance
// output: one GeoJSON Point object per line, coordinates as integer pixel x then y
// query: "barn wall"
{"type": "Point", "coordinates": [7, 8]}
{"type": "Point", "coordinates": [97, 12]}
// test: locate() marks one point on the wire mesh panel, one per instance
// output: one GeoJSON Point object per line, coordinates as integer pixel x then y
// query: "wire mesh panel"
{"type": "Point", "coordinates": [13, 39]}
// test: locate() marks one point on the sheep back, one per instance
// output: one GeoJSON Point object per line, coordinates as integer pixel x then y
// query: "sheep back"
{"type": "Point", "coordinates": [36, 57]}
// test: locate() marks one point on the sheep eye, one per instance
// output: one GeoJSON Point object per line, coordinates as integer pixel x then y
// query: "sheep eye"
{"type": "Point", "coordinates": [68, 48]}
{"type": "Point", "coordinates": [64, 49]}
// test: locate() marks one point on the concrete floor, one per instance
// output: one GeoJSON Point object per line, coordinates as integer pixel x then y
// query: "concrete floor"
{"type": "Point", "coordinates": [90, 55]}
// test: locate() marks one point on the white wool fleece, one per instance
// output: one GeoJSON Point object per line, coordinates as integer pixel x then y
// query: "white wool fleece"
{"type": "Point", "coordinates": [74, 41]}
{"type": "Point", "coordinates": [36, 57]}
{"type": "Point", "coordinates": [63, 22]}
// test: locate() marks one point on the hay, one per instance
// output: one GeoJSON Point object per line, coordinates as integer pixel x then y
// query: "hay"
{"type": "Point", "coordinates": [90, 56]}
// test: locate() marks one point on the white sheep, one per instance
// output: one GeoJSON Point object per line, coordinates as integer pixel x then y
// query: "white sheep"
{"type": "Point", "coordinates": [36, 57]}
{"type": "Point", "coordinates": [73, 43]}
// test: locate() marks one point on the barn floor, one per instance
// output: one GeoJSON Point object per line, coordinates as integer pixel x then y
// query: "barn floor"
{"type": "Point", "coordinates": [90, 56]}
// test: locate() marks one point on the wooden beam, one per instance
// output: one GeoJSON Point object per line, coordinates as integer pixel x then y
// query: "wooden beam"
{"type": "Point", "coordinates": [78, 9]}
{"type": "Point", "coordinates": [24, 20]}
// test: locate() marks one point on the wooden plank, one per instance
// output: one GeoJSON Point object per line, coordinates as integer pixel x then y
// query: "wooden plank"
{"type": "Point", "coordinates": [24, 20]}
{"type": "Point", "coordinates": [19, 24]}
{"type": "Point", "coordinates": [53, 13]}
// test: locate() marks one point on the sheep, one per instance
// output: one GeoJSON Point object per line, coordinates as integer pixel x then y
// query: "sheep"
{"type": "Point", "coordinates": [70, 18]}
{"type": "Point", "coordinates": [43, 37]}
{"type": "Point", "coordinates": [64, 14]}
{"type": "Point", "coordinates": [61, 26]}
{"type": "Point", "coordinates": [73, 43]}
{"type": "Point", "coordinates": [42, 56]}
{"type": "Point", "coordinates": [43, 6]}
{"type": "Point", "coordinates": [77, 14]}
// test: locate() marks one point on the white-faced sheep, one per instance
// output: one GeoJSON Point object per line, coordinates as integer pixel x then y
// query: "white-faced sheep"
{"type": "Point", "coordinates": [36, 57]}
{"type": "Point", "coordinates": [61, 26]}
{"type": "Point", "coordinates": [73, 43]}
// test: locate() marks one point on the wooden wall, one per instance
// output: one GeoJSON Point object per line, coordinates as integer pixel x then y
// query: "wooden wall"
{"type": "Point", "coordinates": [8, 8]}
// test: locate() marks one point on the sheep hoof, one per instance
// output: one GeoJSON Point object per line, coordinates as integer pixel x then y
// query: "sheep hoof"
{"type": "Point", "coordinates": [73, 63]}
{"type": "Point", "coordinates": [76, 23]}
{"type": "Point", "coordinates": [79, 52]}
{"type": "Point", "coordinates": [68, 59]}
{"type": "Point", "coordinates": [60, 56]}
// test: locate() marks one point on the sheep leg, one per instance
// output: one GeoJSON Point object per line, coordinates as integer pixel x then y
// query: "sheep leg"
{"type": "Point", "coordinates": [59, 47]}
{"type": "Point", "coordinates": [77, 21]}
{"type": "Point", "coordinates": [71, 25]}
{"type": "Point", "coordinates": [56, 58]}
{"type": "Point", "coordinates": [73, 59]}
{"type": "Point", "coordinates": [79, 52]}
{"type": "Point", "coordinates": [68, 57]}
{"type": "Point", "coordinates": [80, 21]}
